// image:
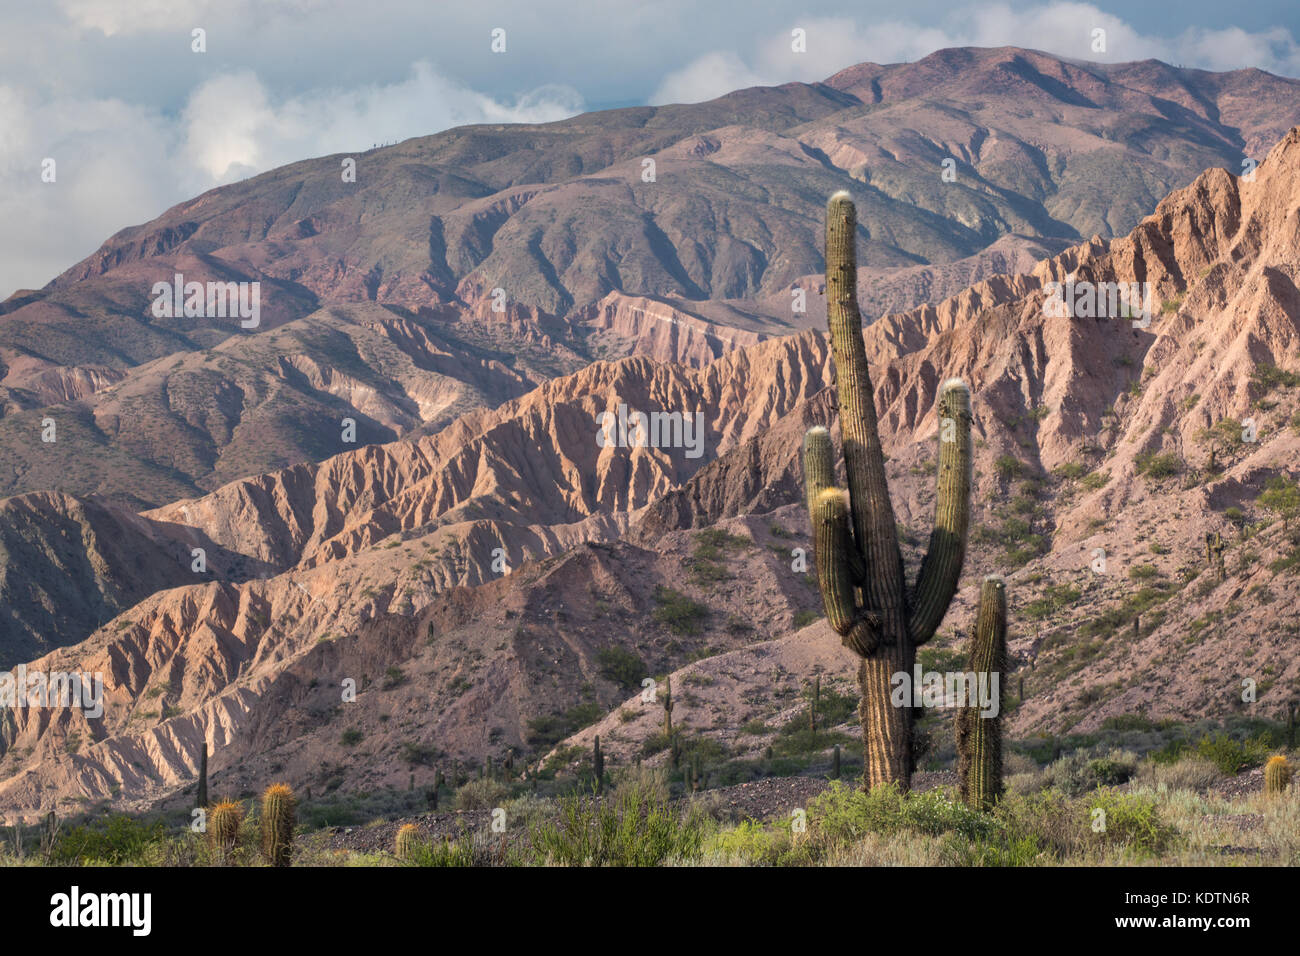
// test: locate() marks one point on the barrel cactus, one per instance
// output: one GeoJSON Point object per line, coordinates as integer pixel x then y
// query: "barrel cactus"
{"type": "Point", "coordinates": [1277, 775]}
{"type": "Point", "coordinates": [859, 564]}
{"type": "Point", "coordinates": [408, 842]}
{"type": "Point", "coordinates": [979, 734]}
{"type": "Point", "coordinates": [224, 821]}
{"type": "Point", "coordinates": [278, 809]}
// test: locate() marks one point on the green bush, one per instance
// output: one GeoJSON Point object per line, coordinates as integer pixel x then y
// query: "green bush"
{"type": "Point", "coordinates": [621, 666]}
{"type": "Point", "coordinates": [677, 612]}
{"type": "Point", "coordinates": [1157, 466]}
{"type": "Point", "coordinates": [1232, 756]}
{"type": "Point", "coordinates": [639, 826]}
{"type": "Point", "coordinates": [117, 841]}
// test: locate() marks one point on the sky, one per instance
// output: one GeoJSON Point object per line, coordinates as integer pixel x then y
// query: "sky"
{"type": "Point", "coordinates": [136, 120]}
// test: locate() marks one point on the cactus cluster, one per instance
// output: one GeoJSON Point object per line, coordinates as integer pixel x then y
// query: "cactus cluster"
{"type": "Point", "coordinates": [278, 816]}
{"type": "Point", "coordinates": [1277, 776]}
{"type": "Point", "coordinates": [979, 736]}
{"type": "Point", "coordinates": [859, 564]}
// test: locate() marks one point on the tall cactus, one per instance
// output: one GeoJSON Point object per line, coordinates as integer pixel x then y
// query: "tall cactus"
{"type": "Point", "coordinates": [201, 798]}
{"type": "Point", "coordinates": [979, 735]}
{"type": "Point", "coordinates": [278, 812]}
{"type": "Point", "coordinates": [859, 564]}
{"type": "Point", "coordinates": [598, 765]}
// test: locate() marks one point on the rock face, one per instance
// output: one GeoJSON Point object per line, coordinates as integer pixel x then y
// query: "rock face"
{"type": "Point", "coordinates": [478, 580]}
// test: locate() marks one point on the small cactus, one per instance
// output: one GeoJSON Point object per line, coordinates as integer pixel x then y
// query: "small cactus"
{"type": "Point", "coordinates": [835, 763]}
{"type": "Point", "coordinates": [1277, 775]}
{"type": "Point", "coordinates": [408, 842]}
{"type": "Point", "coordinates": [812, 708]}
{"type": "Point", "coordinates": [223, 823]}
{"type": "Point", "coordinates": [668, 706]}
{"type": "Point", "coordinates": [979, 736]}
{"type": "Point", "coordinates": [278, 806]}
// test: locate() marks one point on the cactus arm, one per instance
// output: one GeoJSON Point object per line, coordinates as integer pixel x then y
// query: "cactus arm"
{"type": "Point", "coordinates": [819, 475]}
{"type": "Point", "coordinates": [941, 568]}
{"type": "Point", "coordinates": [874, 529]}
{"type": "Point", "coordinates": [858, 630]}
{"type": "Point", "coordinates": [979, 738]}
{"type": "Point", "coordinates": [818, 465]}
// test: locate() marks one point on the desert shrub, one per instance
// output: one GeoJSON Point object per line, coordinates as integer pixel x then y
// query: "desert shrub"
{"type": "Point", "coordinates": [1232, 756]}
{"type": "Point", "coordinates": [804, 618]}
{"type": "Point", "coordinates": [118, 841]}
{"type": "Point", "coordinates": [638, 826]}
{"type": "Point", "coordinates": [481, 794]}
{"type": "Point", "coordinates": [1188, 773]}
{"type": "Point", "coordinates": [549, 729]}
{"type": "Point", "coordinates": [1096, 479]}
{"type": "Point", "coordinates": [442, 853]}
{"type": "Point", "coordinates": [841, 814]}
{"type": "Point", "coordinates": [677, 612]}
{"type": "Point", "coordinates": [1158, 465]}
{"type": "Point", "coordinates": [1130, 820]}
{"type": "Point", "coordinates": [1268, 377]}
{"type": "Point", "coordinates": [621, 666]}
{"type": "Point", "coordinates": [1078, 773]}
{"type": "Point", "coordinates": [1006, 467]}
{"type": "Point", "coordinates": [757, 845]}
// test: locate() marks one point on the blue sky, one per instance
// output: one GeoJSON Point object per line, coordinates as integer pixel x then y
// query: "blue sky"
{"type": "Point", "coordinates": [136, 121]}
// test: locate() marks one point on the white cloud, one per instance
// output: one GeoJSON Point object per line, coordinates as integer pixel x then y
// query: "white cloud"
{"type": "Point", "coordinates": [119, 164]}
{"type": "Point", "coordinates": [126, 17]}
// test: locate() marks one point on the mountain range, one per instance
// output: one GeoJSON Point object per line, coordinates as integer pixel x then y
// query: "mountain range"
{"type": "Point", "coordinates": [490, 574]}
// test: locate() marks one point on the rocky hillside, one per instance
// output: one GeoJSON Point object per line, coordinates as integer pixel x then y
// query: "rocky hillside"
{"type": "Point", "coordinates": [506, 580]}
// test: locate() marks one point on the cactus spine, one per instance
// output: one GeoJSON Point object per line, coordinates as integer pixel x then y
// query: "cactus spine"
{"type": "Point", "coordinates": [408, 842]}
{"type": "Point", "coordinates": [223, 824]}
{"type": "Point", "coordinates": [859, 564]}
{"type": "Point", "coordinates": [979, 737]}
{"type": "Point", "coordinates": [1277, 775]}
{"type": "Point", "coordinates": [278, 806]}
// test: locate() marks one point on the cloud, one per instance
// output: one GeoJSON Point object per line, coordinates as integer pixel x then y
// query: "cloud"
{"type": "Point", "coordinates": [118, 164]}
